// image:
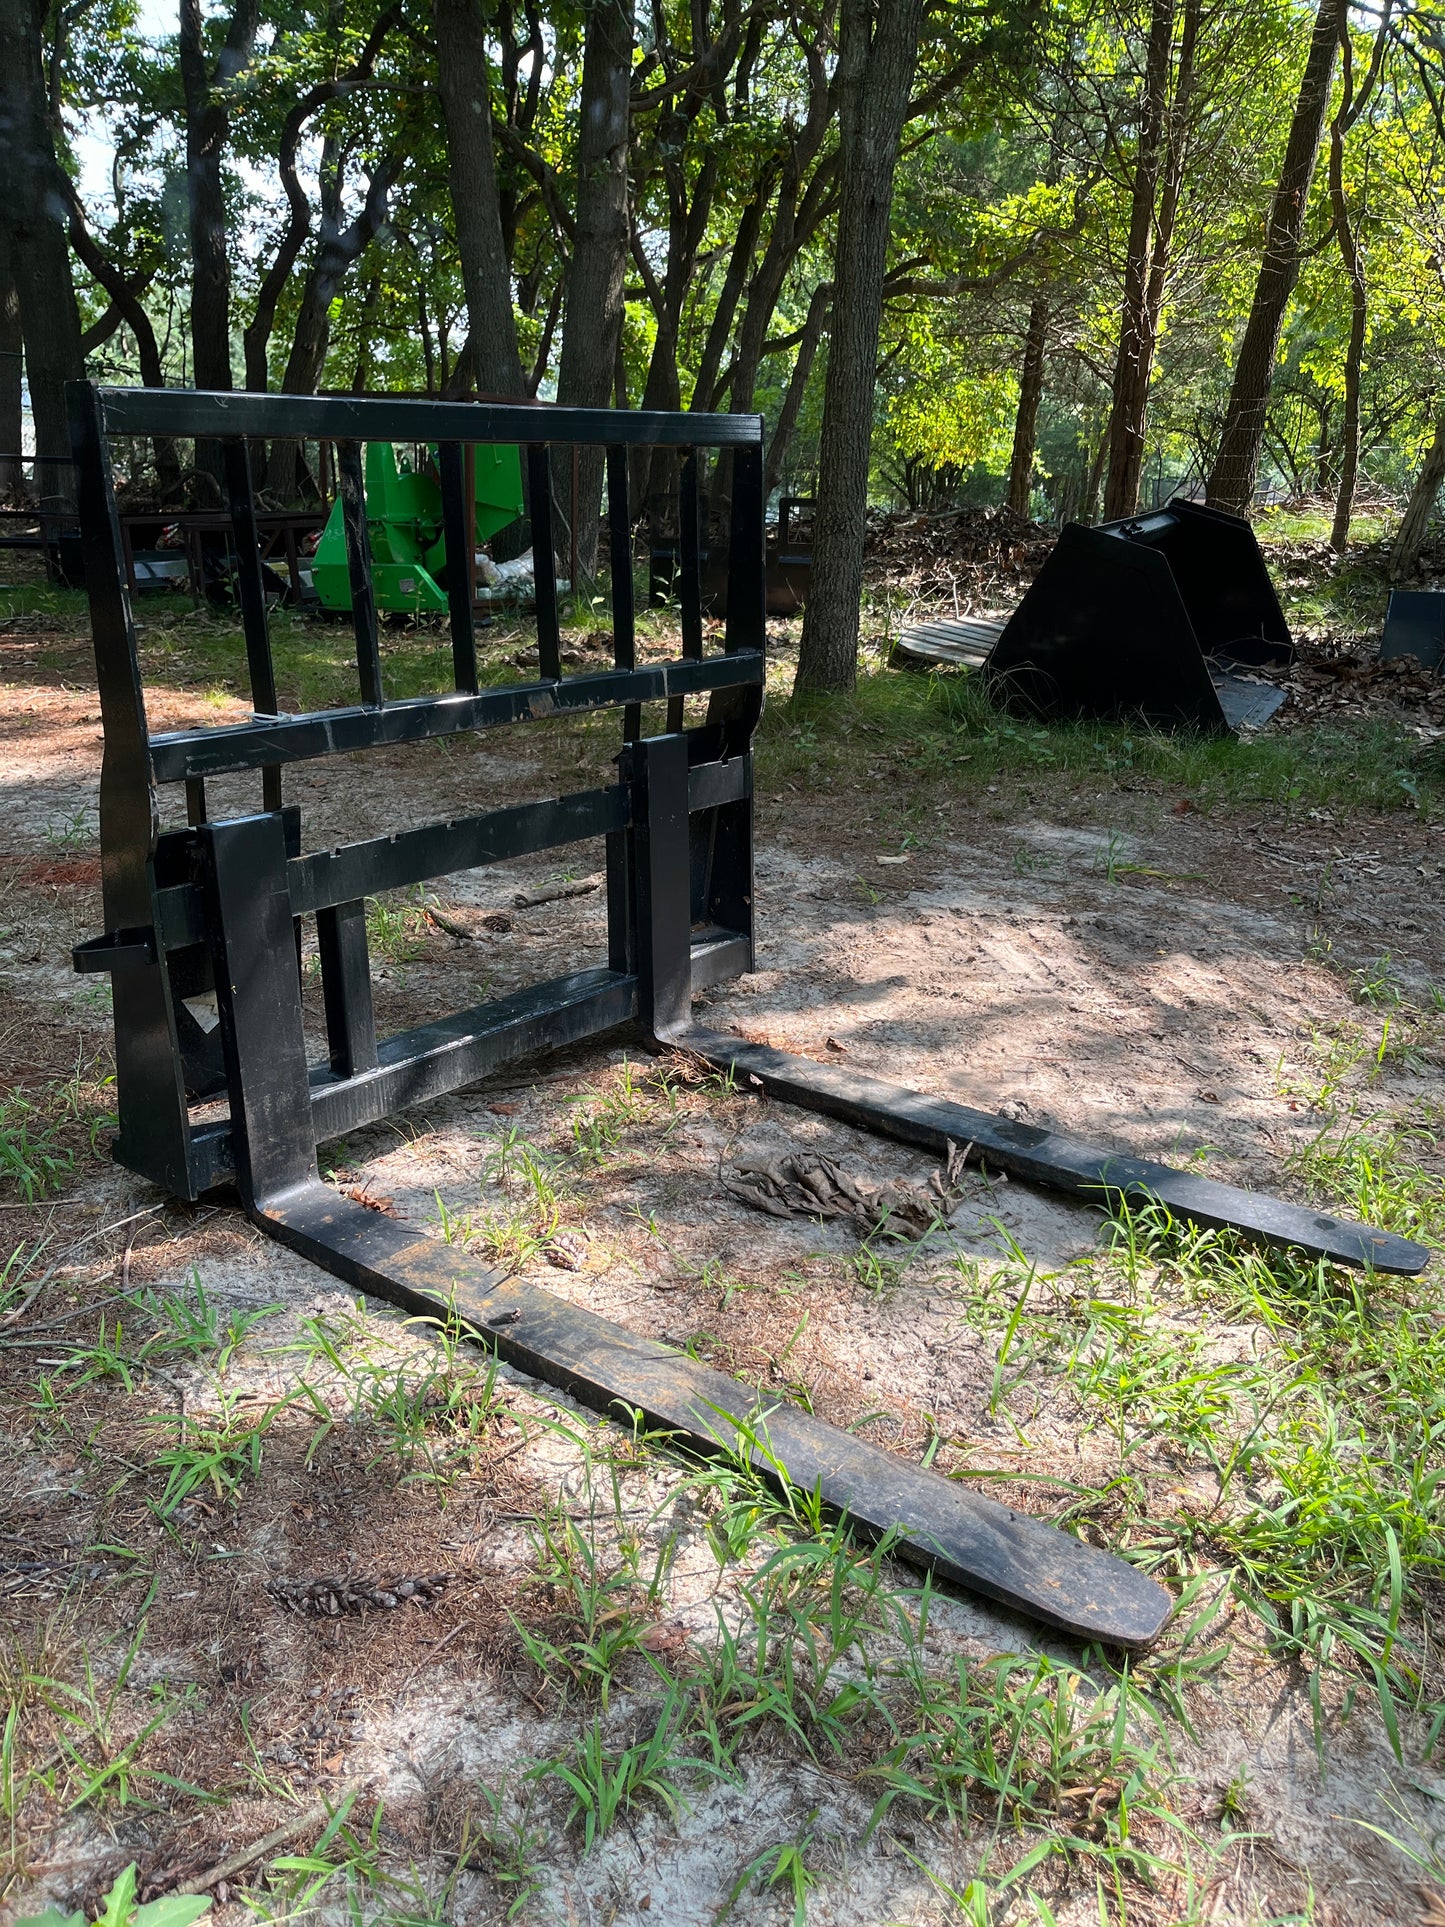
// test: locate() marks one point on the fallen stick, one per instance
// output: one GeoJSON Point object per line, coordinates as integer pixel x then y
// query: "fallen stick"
{"type": "Point", "coordinates": [525, 900]}
{"type": "Point", "coordinates": [492, 923]}
{"type": "Point", "coordinates": [243, 1857]}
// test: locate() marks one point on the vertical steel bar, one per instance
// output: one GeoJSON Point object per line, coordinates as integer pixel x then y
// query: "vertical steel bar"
{"type": "Point", "coordinates": [624, 614]}
{"type": "Point", "coordinates": [689, 575]}
{"type": "Point", "coordinates": [469, 487]}
{"type": "Point", "coordinates": [747, 588]}
{"type": "Point", "coordinates": [572, 525]}
{"type": "Point", "coordinates": [346, 988]}
{"type": "Point", "coordinates": [154, 1125]}
{"type": "Point", "coordinates": [459, 577]}
{"type": "Point", "coordinates": [358, 555]}
{"type": "Point", "coordinates": [258, 996]}
{"type": "Point", "coordinates": [619, 539]}
{"type": "Point", "coordinates": [544, 562]}
{"type": "Point", "coordinates": [663, 885]}
{"type": "Point", "coordinates": [250, 584]}
{"type": "Point", "coordinates": [251, 592]}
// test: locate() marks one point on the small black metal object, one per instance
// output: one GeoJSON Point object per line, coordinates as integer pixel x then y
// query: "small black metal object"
{"type": "Point", "coordinates": [204, 955]}
{"type": "Point", "coordinates": [1415, 626]}
{"type": "Point", "coordinates": [1156, 617]}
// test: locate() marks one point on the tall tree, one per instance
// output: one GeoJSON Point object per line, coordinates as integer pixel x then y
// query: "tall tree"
{"type": "Point", "coordinates": [337, 248]}
{"type": "Point", "coordinates": [1236, 464]}
{"type": "Point", "coordinates": [1415, 523]}
{"type": "Point", "coordinates": [1031, 390]}
{"type": "Point", "coordinates": [1158, 179]}
{"type": "Point", "coordinates": [465, 88]}
{"type": "Point", "coordinates": [34, 211]}
{"type": "Point", "coordinates": [207, 91]}
{"type": "Point", "coordinates": [126, 294]}
{"type": "Point", "coordinates": [592, 320]}
{"type": "Point", "coordinates": [11, 358]}
{"type": "Point", "coordinates": [1353, 102]}
{"type": "Point", "coordinates": [877, 56]}
{"type": "Point", "coordinates": [297, 229]}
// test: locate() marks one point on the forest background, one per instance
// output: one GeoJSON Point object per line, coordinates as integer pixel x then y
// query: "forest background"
{"type": "Point", "coordinates": [1082, 255]}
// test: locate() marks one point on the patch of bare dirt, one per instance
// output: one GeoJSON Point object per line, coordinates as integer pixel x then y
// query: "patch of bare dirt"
{"type": "Point", "coordinates": [1135, 975]}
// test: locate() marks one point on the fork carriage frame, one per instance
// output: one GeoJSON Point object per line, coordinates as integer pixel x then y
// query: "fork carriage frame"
{"type": "Point", "coordinates": [215, 907]}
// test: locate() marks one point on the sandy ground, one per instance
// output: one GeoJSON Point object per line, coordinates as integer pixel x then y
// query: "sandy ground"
{"type": "Point", "coordinates": [1132, 973]}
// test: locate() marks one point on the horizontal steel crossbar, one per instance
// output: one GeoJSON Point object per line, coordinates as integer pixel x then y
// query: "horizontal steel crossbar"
{"type": "Point", "coordinates": [939, 1524]}
{"type": "Point", "coordinates": [1050, 1158]}
{"type": "Point", "coordinates": [358, 870]}
{"type": "Point", "coordinates": [185, 411]}
{"type": "Point", "coordinates": [417, 1065]}
{"type": "Point", "coordinates": [181, 755]}
{"type": "Point", "coordinates": [328, 877]}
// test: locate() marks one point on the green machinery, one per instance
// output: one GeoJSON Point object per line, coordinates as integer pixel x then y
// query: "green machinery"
{"type": "Point", "coordinates": [404, 520]}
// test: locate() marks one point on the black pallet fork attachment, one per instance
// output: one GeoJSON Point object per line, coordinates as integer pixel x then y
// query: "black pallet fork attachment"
{"type": "Point", "coordinates": [202, 920]}
{"type": "Point", "coordinates": [1161, 616]}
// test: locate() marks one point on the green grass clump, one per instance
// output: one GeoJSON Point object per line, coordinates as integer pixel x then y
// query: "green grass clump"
{"type": "Point", "coordinates": [33, 1162]}
{"type": "Point", "coordinates": [1324, 1448]}
{"type": "Point", "coordinates": [913, 730]}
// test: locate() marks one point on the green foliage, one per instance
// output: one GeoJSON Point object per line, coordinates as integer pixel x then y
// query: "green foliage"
{"type": "Point", "coordinates": [32, 1159]}
{"type": "Point", "coordinates": [119, 1909]}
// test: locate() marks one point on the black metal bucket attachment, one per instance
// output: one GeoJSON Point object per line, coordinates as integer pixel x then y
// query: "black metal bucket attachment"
{"type": "Point", "coordinates": [1151, 617]}
{"type": "Point", "coordinates": [1415, 626]}
{"type": "Point", "coordinates": [211, 910]}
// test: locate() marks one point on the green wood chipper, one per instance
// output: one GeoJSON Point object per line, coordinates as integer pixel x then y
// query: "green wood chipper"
{"type": "Point", "coordinates": [404, 522]}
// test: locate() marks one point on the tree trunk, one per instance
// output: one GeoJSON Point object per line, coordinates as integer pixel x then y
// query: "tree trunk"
{"type": "Point", "coordinates": [877, 54]}
{"type": "Point", "coordinates": [125, 296]}
{"type": "Point", "coordinates": [1139, 335]}
{"type": "Point", "coordinates": [1350, 109]}
{"type": "Point", "coordinates": [1236, 466]}
{"type": "Point", "coordinates": [786, 425]}
{"type": "Point", "coordinates": [1415, 524]}
{"type": "Point", "coordinates": [34, 213]}
{"type": "Point", "coordinates": [208, 129]}
{"type": "Point", "coordinates": [1325, 450]}
{"type": "Point", "coordinates": [592, 322]}
{"type": "Point", "coordinates": [745, 242]}
{"type": "Point", "coordinates": [464, 86]}
{"type": "Point", "coordinates": [11, 369]}
{"type": "Point", "coordinates": [337, 250]}
{"type": "Point", "coordinates": [1026, 422]}
{"type": "Point", "coordinates": [1135, 352]}
{"type": "Point", "coordinates": [1349, 453]}
{"type": "Point", "coordinates": [1089, 509]}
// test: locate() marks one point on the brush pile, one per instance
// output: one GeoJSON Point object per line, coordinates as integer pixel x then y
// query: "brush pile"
{"type": "Point", "coordinates": [965, 561]}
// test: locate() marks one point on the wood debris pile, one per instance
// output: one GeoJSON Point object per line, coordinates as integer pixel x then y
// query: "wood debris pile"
{"type": "Point", "coordinates": [973, 556]}
{"type": "Point", "coordinates": [1342, 686]}
{"type": "Point", "coordinates": [810, 1185]}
